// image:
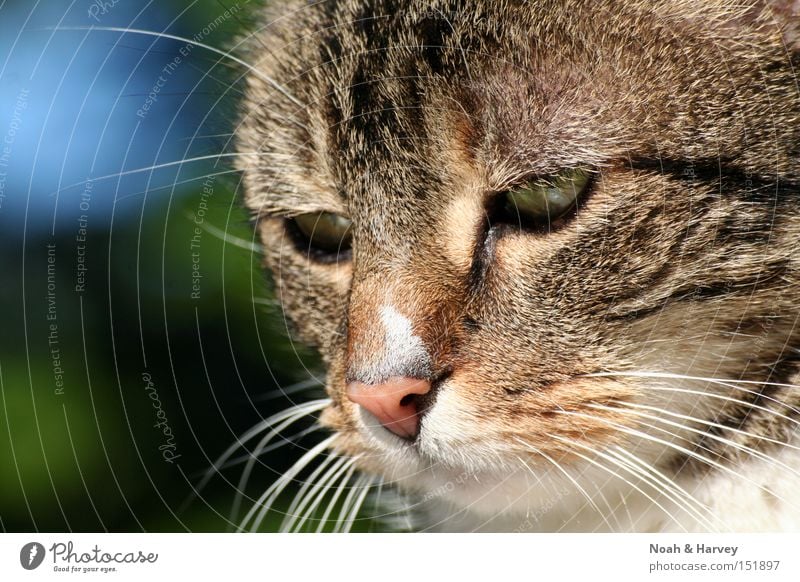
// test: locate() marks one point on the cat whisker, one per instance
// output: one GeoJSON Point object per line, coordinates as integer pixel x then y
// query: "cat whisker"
{"type": "Point", "coordinates": [397, 509]}
{"type": "Point", "coordinates": [264, 503]}
{"type": "Point", "coordinates": [736, 401]}
{"type": "Point", "coordinates": [290, 415]}
{"type": "Point", "coordinates": [255, 457]}
{"type": "Point", "coordinates": [649, 472]}
{"type": "Point", "coordinates": [575, 484]}
{"type": "Point", "coordinates": [226, 237]}
{"type": "Point", "coordinates": [268, 302]}
{"type": "Point", "coordinates": [163, 165]}
{"type": "Point", "coordinates": [753, 435]}
{"type": "Point", "coordinates": [335, 498]}
{"type": "Point", "coordinates": [675, 376]}
{"type": "Point", "coordinates": [616, 463]}
{"type": "Point", "coordinates": [701, 513]}
{"type": "Point", "coordinates": [224, 54]}
{"type": "Point", "coordinates": [351, 517]}
{"type": "Point", "coordinates": [611, 511]}
{"type": "Point", "coordinates": [665, 481]}
{"type": "Point", "coordinates": [288, 390]}
{"type": "Point", "coordinates": [723, 440]}
{"type": "Point", "coordinates": [174, 163]}
{"type": "Point", "coordinates": [289, 440]}
{"type": "Point", "coordinates": [563, 471]}
{"type": "Point", "coordinates": [208, 136]}
{"type": "Point", "coordinates": [718, 381]}
{"type": "Point", "coordinates": [623, 501]}
{"type": "Point", "coordinates": [688, 452]}
{"type": "Point", "coordinates": [309, 482]}
{"type": "Point", "coordinates": [170, 186]}
{"type": "Point", "coordinates": [334, 475]}
{"type": "Point", "coordinates": [349, 502]}
{"type": "Point", "coordinates": [304, 411]}
{"type": "Point", "coordinates": [663, 484]}
{"type": "Point", "coordinates": [598, 489]}
{"type": "Point", "coordinates": [377, 498]}
{"type": "Point", "coordinates": [61, 189]}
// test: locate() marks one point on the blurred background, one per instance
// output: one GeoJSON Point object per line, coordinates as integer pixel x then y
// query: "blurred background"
{"type": "Point", "coordinates": [139, 339]}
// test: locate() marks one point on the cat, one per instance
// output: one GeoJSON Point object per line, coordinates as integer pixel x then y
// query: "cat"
{"type": "Point", "coordinates": [547, 251]}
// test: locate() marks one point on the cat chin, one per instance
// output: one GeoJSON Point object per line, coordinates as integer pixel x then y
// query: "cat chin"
{"type": "Point", "coordinates": [508, 496]}
{"type": "Point", "coordinates": [446, 500]}
{"type": "Point", "coordinates": [750, 496]}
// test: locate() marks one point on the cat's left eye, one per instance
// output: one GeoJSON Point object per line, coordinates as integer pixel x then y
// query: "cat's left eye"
{"type": "Point", "coordinates": [325, 233]}
{"type": "Point", "coordinates": [542, 201]}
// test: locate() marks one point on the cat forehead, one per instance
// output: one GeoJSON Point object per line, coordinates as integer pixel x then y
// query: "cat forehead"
{"type": "Point", "coordinates": [404, 96]}
{"type": "Point", "coordinates": [386, 96]}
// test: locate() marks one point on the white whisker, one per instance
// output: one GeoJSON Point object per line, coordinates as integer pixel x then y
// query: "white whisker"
{"type": "Point", "coordinates": [226, 237]}
{"type": "Point", "coordinates": [558, 466]}
{"type": "Point", "coordinates": [708, 423]}
{"type": "Point", "coordinates": [720, 439]}
{"type": "Point", "coordinates": [174, 163]}
{"type": "Point", "coordinates": [351, 518]}
{"type": "Point", "coordinates": [614, 473]}
{"type": "Point", "coordinates": [729, 399]}
{"type": "Point", "coordinates": [348, 502]}
{"type": "Point", "coordinates": [226, 54]}
{"type": "Point", "coordinates": [170, 186]}
{"type": "Point", "coordinates": [311, 482]}
{"type": "Point", "coordinates": [289, 440]}
{"type": "Point", "coordinates": [296, 413]}
{"type": "Point", "coordinates": [677, 494]}
{"type": "Point", "coordinates": [264, 503]}
{"type": "Point", "coordinates": [322, 489]}
{"type": "Point", "coordinates": [684, 450]}
{"type": "Point", "coordinates": [720, 382]}
{"type": "Point", "coordinates": [336, 495]}
{"type": "Point", "coordinates": [289, 390]}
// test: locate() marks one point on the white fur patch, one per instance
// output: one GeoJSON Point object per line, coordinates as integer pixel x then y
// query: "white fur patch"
{"type": "Point", "coordinates": [401, 346]}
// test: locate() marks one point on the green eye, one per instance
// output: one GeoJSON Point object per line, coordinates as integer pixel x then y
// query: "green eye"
{"type": "Point", "coordinates": [324, 232]}
{"type": "Point", "coordinates": [544, 200]}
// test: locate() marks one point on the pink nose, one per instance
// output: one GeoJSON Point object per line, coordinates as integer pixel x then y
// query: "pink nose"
{"type": "Point", "coordinates": [392, 402]}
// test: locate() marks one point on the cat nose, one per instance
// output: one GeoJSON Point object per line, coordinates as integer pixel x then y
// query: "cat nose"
{"type": "Point", "coordinates": [392, 402]}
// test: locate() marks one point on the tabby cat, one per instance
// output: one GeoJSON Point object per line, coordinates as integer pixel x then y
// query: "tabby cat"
{"type": "Point", "coordinates": [548, 251]}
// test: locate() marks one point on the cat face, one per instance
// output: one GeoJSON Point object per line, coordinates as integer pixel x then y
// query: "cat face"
{"type": "Point", "coordinates": [525, 234]}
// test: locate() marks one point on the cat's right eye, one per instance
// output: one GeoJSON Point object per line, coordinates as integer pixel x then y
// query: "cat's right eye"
{"type": "Point", "coordinates": [325, 233]}
{"type": "Point", "coordinates": [541, 202]}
